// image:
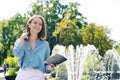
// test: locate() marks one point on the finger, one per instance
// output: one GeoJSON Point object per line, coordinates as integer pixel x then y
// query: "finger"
{"type": "Point", "coordinates": [26, 37]}
{"type": "Point", "coordinates": [55, 64]}
{"type": "Point", "coordinates": [51, 65]}
{"type": "Point", "coordinates": [26, 34]}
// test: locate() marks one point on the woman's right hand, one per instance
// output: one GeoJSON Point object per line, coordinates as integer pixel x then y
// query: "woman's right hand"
{"type": "Point", "coordinates": [51, 66]}
{"type": "Point", "coordinates": [23, 36]}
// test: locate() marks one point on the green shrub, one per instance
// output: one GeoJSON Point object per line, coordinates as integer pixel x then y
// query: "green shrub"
{"type": "Point", "coordinates": [85, 77]}
{"type": "Point", "coordinates": [51, 79]}
{"type": "Point", "coordinates": [12, 62]}
{"type": "Point", "coordinates": [11, 72]}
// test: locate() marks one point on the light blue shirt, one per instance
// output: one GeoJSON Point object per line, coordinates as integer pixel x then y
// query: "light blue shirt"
{"type": "Point", "coordinates": [32, 58]}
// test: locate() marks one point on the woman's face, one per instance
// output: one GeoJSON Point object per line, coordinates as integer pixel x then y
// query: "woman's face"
{"type": "Point", "coordinates": [36, 25]}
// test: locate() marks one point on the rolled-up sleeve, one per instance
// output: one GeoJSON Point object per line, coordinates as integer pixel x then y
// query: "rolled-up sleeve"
{"type": "Point", "coordinates": [18, 49]}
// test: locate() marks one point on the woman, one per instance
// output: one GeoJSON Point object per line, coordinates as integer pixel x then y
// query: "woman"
{"type": "Point", "coordinates": [32, 50]}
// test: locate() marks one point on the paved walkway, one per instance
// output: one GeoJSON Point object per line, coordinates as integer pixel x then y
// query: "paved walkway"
{"type": "Point", "coordinates": [2, 76]}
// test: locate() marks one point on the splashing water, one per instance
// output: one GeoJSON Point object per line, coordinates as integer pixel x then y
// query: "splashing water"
{"type": "Point", "coordinates": [113, 54]}
{"type": "Point", "coordinates": [76, 60]}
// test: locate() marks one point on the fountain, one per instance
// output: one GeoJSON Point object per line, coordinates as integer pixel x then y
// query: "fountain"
{"type": "Point", "coordinates": [79, 58]}
{"type": "Point", "coordinates": [76, 60]}
{"type": "Point", "coordinates": [112, 64]}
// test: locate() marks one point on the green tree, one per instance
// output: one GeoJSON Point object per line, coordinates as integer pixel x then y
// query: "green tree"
{"type": "Point", "coordinates": [97, 35]}
{"type": "Point", "coordinates": [11, 30]}
{"type": "Point", "coordinates": [68, 31]}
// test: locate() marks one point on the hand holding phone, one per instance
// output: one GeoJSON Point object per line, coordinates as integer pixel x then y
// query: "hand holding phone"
{"type": "Point", "coordinates": [24, 35]}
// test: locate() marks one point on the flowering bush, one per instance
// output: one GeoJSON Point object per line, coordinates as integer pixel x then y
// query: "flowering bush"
{"type": "Point", "coordinates": [12, 66]}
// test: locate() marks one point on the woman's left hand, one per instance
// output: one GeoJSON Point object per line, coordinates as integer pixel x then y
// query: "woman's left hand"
{"type": "Point", "coordinates": [51, 66]}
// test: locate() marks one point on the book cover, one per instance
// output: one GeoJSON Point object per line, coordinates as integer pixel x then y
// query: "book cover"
{"type": "Point", "coordinates": [56, 59]}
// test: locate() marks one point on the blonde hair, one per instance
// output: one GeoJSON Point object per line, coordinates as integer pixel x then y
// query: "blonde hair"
{"type": "Point", "coordinates": [43, 33]}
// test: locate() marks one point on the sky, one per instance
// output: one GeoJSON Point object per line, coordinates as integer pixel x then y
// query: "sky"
{"type": "Point", "coordinates": [102, 12]}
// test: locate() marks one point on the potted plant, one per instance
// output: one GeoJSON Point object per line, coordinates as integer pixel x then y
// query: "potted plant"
{"type": "Point", "coordinates": [12, 68]}
{"type": "Point", "coordinates": [11, 74]}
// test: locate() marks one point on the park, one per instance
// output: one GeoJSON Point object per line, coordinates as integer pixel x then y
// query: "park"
{"type": "Point", "coordinates": [91, 53]}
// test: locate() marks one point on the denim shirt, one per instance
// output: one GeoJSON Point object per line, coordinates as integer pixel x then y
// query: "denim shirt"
{"type": "Point", "coordinates": [32, 58]}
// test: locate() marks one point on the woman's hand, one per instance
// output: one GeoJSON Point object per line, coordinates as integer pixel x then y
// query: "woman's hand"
{"type": "Point", "coordinates": [23, 36]}
{"type": "Point", "coordinates": [51, 66]}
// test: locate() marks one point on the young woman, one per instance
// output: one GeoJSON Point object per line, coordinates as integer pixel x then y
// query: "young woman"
{"type": "Point", "coordinates": [32, 50]}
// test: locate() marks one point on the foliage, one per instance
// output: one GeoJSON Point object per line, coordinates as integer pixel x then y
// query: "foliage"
{"type": "Point", "coordinates": [1, 50]}
{"type": "Point", "coordinates": [118, 48]}
{"type": "Point", "coordinates": [11, 72]}
{"type": "Point", "coordinates": [85, 77]}
{"type": "Point", "coordinates": [51, 79]}
{"type": "Point", "coordinates": [11, 30]}
{"type": "Point", "coordinates": [12, 62]}
{"type": "Point", "coordinates": [68, 31]}
{"type": "Point", "coordinates": [97, 35]}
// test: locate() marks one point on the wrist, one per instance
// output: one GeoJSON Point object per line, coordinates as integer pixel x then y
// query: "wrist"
{"type": "Point", "coordinates": [21, 41]}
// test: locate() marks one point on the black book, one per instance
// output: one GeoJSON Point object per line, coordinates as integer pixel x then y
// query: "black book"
{"type": "Point", "coordinates": [56, 59]}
